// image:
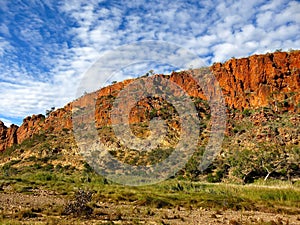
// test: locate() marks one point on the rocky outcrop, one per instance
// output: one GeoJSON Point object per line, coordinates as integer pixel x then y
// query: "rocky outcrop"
{"type": "Point", "coordinates": [3, 137]}
{"type": "Point", "coordinates": [31, 125]}
{"type": "Point", "coordinates": [8, 136]}
{"type": "Point", "coordinates": [36, 124]}
{"type": "Point", "coordinates": [59, 119]}
{"type": "Point", "coordinates": [270, 80]}
{"type": "Point", "coordinates": [261, 80]}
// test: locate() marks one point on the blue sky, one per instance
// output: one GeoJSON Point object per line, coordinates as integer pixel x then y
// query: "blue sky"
{"type": "Point", "coordinates": [46, 46]}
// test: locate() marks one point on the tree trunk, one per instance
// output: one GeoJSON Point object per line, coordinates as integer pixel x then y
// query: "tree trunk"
{"type": "Point", "coordinates": [266, 177]}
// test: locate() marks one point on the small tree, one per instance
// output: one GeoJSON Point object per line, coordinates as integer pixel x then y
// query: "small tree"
{"type": "Point", "coordinates": [48, 111]}
{"type": "Point", "coordinates": [151, 72]}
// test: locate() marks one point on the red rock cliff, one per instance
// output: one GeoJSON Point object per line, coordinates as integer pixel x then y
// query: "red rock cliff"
{"type": "Point", "coordinates": [261, 80]}
{"type": "Point", "coordinates": [8, 136]}
{"type": "Point", "coordinates": [272, 80]}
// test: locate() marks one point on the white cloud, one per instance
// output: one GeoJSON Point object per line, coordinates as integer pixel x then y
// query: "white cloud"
{"type": "Point", "coordinates": [273, 5]}
{"type": "Point", "coordinates": [291, 14]}
{"type": "Point", "coordinates": [261, 28]}
{"type": "Point", "coordinates": [6, 122]}
{"type": "Point", "coordinates": [265, 19]}
{"type": "Point", "coordinates": [81, 31]}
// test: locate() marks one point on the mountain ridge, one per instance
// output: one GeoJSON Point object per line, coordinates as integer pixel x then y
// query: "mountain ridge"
{"type": "Point", "coordinates": [272, 80]}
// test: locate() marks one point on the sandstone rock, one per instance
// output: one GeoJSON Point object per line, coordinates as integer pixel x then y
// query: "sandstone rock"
{"type": "Point", "coordinates": [272, 80]}
{"type": "Point", "coordinates": [31, 125]}
{"type": "Point", "coordinates": [260, 80]}
{"type": "Point", "coordinates": [8, 136]}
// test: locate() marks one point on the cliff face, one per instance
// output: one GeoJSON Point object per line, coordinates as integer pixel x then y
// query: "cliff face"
{"type": "Point", "coordinates": [31, 125]}
{"type": "Point", "coordinates": [35, 124]}
{"type": "Point", "coordinates": [261, 80]}
{"type": "Point", "coordinates": [8, 136]}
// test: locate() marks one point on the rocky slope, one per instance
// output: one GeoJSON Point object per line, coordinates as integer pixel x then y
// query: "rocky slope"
{"type": "Point", "coordinates": [271, 80]}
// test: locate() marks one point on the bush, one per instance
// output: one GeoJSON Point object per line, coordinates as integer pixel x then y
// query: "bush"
{"type": "Point", "coordinates": [59, 167]}
{"type": "Point", "coordinates": [79, 206]}
{"type": "Point", "coordinates": [26, 214]}
{"type": "Point", "coordinates": [37, 166]}
{"type": "Point", "coordinates": [87, 168]}
{"type": "Point", "coordinates": [49, 167]}
{"type": "Point", "coordinates": [45, 176]}
{"type": "Point", "coordinates": [66, 130]}
{"type": "Point", "coordinates": [246, 112]}
{"type": "Point", "coordinates": [8, 170]}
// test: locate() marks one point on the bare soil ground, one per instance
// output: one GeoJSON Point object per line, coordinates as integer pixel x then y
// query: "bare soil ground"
{"type": "Point", "coordinates": [45, 207]}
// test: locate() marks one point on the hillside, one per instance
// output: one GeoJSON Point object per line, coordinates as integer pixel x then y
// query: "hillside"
{"type": "Point", "coordinates": [263, 104]}
{"type": "Point", "coordinates": [254, 179]}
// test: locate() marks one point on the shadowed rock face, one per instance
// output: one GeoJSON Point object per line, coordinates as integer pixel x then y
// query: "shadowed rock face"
{"type": "Point", "coordinates": [272, 80]}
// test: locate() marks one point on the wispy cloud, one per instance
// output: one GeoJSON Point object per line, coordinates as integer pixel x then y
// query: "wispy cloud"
{"type": "Point", "coordinates": [6, 122]}
{"type": "Point", "coordinates": [47, 46]}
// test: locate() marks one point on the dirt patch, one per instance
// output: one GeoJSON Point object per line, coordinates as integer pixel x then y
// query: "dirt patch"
{"type": "Point", "coordinates": [44, 207]}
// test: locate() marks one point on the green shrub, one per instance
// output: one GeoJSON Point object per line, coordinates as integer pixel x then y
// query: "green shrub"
{"type": "Point", "coordinates": [66, 130]}
{"type": "Point", "coordinates": [8, 170]}
{"type": "Point", "coordinates": [59, 167]}
{"type": "Point", "coordinates": [247, 112]}
{"type": "Point", "coordinates": [32, 158]}
{"type": "Point", "coordinates": [87, 168]}
{"type": "Point", "coordinates": [37, 166]}
{"type": "Point", "coordinates": [49, 167]}
{"type": "Point", "coordinates": [45, 176]}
